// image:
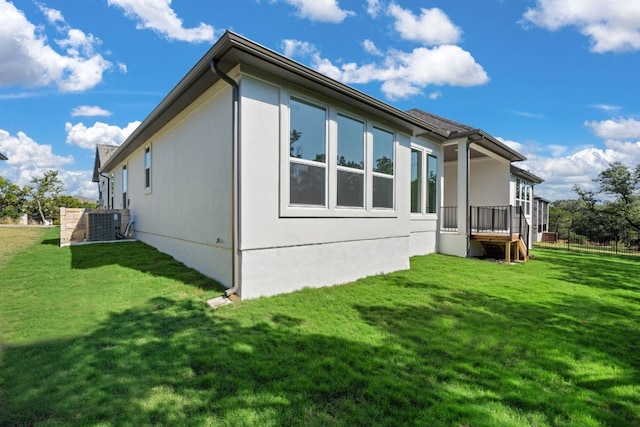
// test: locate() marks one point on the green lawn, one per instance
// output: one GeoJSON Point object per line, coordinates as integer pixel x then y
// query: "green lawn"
{"type": "Point", "coordinates": [119, 334]}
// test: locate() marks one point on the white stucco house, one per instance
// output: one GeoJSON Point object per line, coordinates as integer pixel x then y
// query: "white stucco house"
{"type": "Point", "coordinates": [269, 177]}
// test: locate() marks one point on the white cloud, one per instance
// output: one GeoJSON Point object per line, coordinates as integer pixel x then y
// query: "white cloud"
{"type": "Point", "coordinates": [158, 15]}
{"type": "Point", "coordinates": [435, 94]}
{"type": "Point", "coordinates": [511, 144]}
{"type": "Point", "coordinates": [78, 183]}
{"type": "Point", "coordinates": [122, 67]}
{"type": "Point", "coordinates": [562, 169]}
{"type": "Point", "coordinates": [612, 25]}
{"type": "Point", "coordinates": [27, 158]}
{"type": "Point", "coordinates": [320, 10]}
{"type": "Point", "coordinates": [371, 48]}
{"type": "Point", "coordinates": [373, 8]}
{"type": "Point", "coordinates": [432, 27]}
{"type": "Point", "coordinates": [28, 60]}
{"type": "Point", "coordinates": [401, 74]}
{"type": "Point", "coordinates": [293, 48]}
{"type": "Point", "coordinates": [616, 129]}
{"type": "Point", "coordinates": [89, 111]}
{"type": "Point", "coordinates": [528, 115]}
{"type": "Point", "coordinates": [607, 107]}
{"type": "Point", "coordinates": [53, 16]}
{"type": "Point", "coordinates": [404, 74]}
{"type": "Point", "coordinates": [100, 133]}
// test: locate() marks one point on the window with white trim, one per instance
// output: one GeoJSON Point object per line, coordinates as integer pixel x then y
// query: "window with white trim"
{"type": "Point", "coordinates": [307, 154]}
{"type": "Point", "coordinates": [147, 168]}
{"type": "Point", "coordinates": [523, 195]}
{"type": "Point", "coordinates": [335, 162]}
{"type": "Point", "coordinates": [383, 148]}
{"type": "Point", "coordinates": [113, 190]}
{"type": "Point", "coordinates": [350, 162]}
{"type": "Point", "coordinates": [424, 182]}
{"type": "Point", "coordinates": [124, 187]}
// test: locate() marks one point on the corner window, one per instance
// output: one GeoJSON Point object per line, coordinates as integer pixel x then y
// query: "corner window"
{"type": "Point", "coordinates": [307, 154]}
{"type": "Point", "coordinates": [424, 182]}
{"type": "Point", "coordinates": [383, 144]}
{"type": "Point", "coordinates": [147, 168]}
{"type": "Point", "coordinates": [432, 183]}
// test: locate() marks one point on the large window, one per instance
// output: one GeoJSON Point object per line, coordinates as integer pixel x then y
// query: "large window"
{"type": "Point", "coordinates": [350, 162]}
{"type": "Point", "coordinates": [147, 168]}
{"type": "Point", "coordinates": [383, 148]}
{"type": "Point", "coordinates": [307, 154]}
{"type": "Point", "coordinates": [335, 162]}
{"type": "Point", "coordinates": [424, 182]}
{"type": "Point", "coordinates": [523, 195]}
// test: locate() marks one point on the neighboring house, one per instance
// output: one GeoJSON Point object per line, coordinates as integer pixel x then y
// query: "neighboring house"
{"type": "Point", "coordinates": [540, 219]}
{"type": "Point", "coordinates": [105, 183]}
{"type": "Point", "coordinates": [3, 157]}
{"type": "Point", "coordinates": [269, 176]}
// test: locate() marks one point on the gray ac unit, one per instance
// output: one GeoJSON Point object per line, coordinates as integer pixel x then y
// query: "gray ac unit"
{"type": "Point", "coordinates": [102, 226]}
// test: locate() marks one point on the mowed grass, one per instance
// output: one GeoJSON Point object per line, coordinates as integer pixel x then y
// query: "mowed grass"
{"type": "Point", "coordinates": [451, 342]}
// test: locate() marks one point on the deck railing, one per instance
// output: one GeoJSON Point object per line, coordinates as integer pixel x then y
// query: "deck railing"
{"type": "Point", "coordinates": [500, 220]}
{"type": "Point", "coordinates": [449, 218]}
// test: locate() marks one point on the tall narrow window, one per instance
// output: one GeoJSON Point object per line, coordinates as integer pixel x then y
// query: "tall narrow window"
{"type": "Point", "coordinates": [383, 147]}
{"type": "Point", "coordinates": [124, 187]}
{"type": "Point", "coordinates": [523, 195]}
{"type": "Point", "coordinates": [147, 167]}
{"type": "Point", "coordinates": [113, 190]}
{"type": "Point", "coordinates": [416, 181]}
{"type": "Point", "coordinates": [432, 183]}
{"type": "Point", "coordinates": [350, 162]}
{"type": "Point", "coordinates": [307, 154]}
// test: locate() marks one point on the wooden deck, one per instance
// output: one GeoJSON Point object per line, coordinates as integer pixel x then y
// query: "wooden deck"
{"type": "Point", "coordinates": [514, 248]}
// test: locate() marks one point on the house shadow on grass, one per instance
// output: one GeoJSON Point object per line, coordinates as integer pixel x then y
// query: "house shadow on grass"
{"type": "Point", "coordinates": [141, 257]}
{"type": "Point", "coordinates": [172, 363]}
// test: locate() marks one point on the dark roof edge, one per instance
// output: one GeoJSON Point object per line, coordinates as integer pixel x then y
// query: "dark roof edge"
{"type": "Point", "coordinates": [526, 175]}
{"type": "Point", "coordinates": [229, 41]}
{"type": "Point", "coordinates": [3, 157]}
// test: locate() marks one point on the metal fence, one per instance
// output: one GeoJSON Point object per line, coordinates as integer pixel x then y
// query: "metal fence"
{"type": "Point", "coordinates": [569, 241]}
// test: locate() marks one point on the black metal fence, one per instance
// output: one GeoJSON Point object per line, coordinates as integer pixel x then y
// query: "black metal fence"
{"type": "Point", "coordinates": [567, 240]}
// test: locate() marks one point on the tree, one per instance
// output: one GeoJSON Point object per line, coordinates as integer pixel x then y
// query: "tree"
{"type": "Point", "coordinates": [622, 184]}
{"type": "Point", "coordinates": [44, 194]}
{"type": "Point", "coordinates": [12, 199]}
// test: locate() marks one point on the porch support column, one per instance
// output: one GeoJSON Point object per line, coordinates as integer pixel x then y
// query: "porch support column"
{"type": "Point", "coordinates": [463, 187]}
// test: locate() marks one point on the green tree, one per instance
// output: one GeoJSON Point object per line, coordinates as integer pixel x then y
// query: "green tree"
{"type": "Point", "coordinates": [44, 194]}
{"type": "Point", "coordinates": [12, 199]}
{"type": "Point", "coordinates": [622, 183]}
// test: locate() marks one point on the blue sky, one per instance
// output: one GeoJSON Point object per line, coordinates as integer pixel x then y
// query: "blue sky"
{"type": "Point", "coordinates": [555, 79]}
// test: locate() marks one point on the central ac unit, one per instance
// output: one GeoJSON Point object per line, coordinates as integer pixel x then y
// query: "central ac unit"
{"type": "Point", "coordinates": [102, 226]}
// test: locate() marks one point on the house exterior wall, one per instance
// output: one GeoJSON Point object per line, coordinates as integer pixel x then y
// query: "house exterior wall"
{"type": "Point", "coordinates": [281, 251]}
{"type": "Point", "coordinates": [186, 211]}
{"type": "Point", "coordinates": [489, 183]}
